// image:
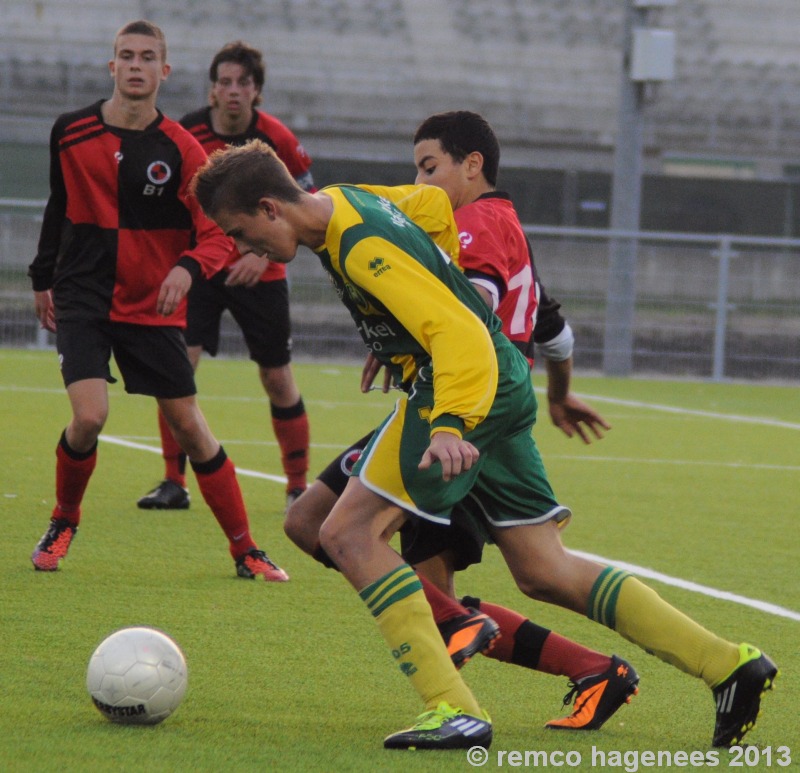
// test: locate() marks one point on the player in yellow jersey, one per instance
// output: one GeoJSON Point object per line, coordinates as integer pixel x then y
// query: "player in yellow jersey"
{"type": "Point", "coordinates": [464, 428]}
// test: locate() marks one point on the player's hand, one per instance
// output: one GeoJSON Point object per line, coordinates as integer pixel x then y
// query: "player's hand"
{"type": "Point", "coordinates": [173, 290]}
{"type": "Point", "coordinates": [455, 454]}
{"type": "Point", "coordinates": [247, 270]}
{"type": "Point", "coordinates": [45, 310]}
{"type": "Point", "coordinates": [574, 417]}
{"type": "Point", "coordinates": [371, 369]}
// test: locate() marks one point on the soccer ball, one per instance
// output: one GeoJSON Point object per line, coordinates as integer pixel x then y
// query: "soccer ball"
{"type": "Point", "coordinates": [137, 676]}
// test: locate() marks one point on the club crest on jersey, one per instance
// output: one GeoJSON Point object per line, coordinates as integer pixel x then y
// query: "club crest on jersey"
{"type": "Point", "coordinates": [349, 460]}
{"type": "Point", "coordinates": [360, 301]}
{"type": "Point", "coordinates": [158, 173]}
{"type": "Point", "coordinates": [465, 238]}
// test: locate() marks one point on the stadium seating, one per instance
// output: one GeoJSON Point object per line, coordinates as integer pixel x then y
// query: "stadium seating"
{"type": "Point", "coordinates": [545, 73]}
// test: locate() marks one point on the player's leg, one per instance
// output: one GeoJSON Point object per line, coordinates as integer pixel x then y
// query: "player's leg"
{"type": "Point", "coordinates": [544, 570]}
{"type": "Point", "coordinates": [290, 425]}
{"type": "Point", "coordinates": [306, 514]}
{"type": "Point", "coordinates": [354, 536]}
{"type": "Point", "coordinates": [262, 313]}
{"type": "Point", "coordinates": [203, 319]}
{"type": "Point", "coordinates": [599, 683]}
{"type": "Point", "coordinates": [84, 352]}
{"type": "Point", "coordinates": [436, 552]}
{"type": "Point", "coordinates": [387, 481]}
{"type": "Point", "coordinates": [154, 361]}
{"type": "Point", "coordinates": [216, 478]}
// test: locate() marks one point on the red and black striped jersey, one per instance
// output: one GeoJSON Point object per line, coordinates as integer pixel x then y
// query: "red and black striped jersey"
{"type": "Point", "coordinates": [496, 254]}
{"type": "Point", "coordinates": [120, 217]}
{"type": "Point", "coordinates": [277, 135]}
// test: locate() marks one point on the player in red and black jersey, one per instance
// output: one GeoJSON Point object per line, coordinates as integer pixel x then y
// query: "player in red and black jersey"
{"type": "Point", "coordinates": [121, 242]}
{"type": "Point", "coordinates": [253, 289]}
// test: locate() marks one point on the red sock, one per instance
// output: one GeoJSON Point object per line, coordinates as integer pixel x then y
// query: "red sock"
{"type": "Point", "coordinates": [174, 457]}
{"type": "Point", "coordinates": [563, 656]}
{"type": "Point", "coordinates": [217, 481]}
{"type": "Point", "coordinates": [444, 608]}
{"type": "Point", "coordinates": [292, 433]}
{"type": "Point", "coordinates": [526, 644]}
{"type": "Point", "coordinates": [73, 471]}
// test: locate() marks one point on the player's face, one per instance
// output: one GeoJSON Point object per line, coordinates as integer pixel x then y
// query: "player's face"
{"type": "Point", "coordinates": [138, 66]}
{"type": "Point", "coordinates": [264, 233]}
{"type": "Point", "coordinates": [435, 167]}
{"type": "Point", "coordinates": [234, 90]}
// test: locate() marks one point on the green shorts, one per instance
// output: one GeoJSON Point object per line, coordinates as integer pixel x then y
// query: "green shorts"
{"type": "Point", "coordinates": [508, 485]}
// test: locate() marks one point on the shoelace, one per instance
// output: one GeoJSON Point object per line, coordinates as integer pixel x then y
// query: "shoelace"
{"type": "Point", "coordinates": [574, 687]}
{"type": "Point", "coordinates": [434, 718]}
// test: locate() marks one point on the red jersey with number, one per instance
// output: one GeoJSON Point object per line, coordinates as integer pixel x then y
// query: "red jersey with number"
{"type": "Point", "coordinates": [120, 217]}
{"type": "Point", "coordinates": [495, 251]}
{"type": "Point", "coordinates": [277, 135]}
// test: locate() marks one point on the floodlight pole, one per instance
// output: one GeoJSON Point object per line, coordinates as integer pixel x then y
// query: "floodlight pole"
{"type": "Point", "coordinates": [626, 197]}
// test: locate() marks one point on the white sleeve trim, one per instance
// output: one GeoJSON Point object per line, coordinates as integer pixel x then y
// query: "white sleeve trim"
{"type": "Point", "coordinates": [490, 288]}
{"type": "Point", "coordinates": [559, 348]}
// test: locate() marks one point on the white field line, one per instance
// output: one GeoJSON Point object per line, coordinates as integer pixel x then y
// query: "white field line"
{"type": "Point", "coordinates": [153, 450]}
{"type": "Point", "coordinates": [763, 421]}
{"type": "Point", "coordinates": [650, 574]}
{"type": "Point", "coordinates": [732, 417]}
{"type": "Point", "coordinates": [763, 606]}
{"type": "Point", "coordinates": [679, 462]}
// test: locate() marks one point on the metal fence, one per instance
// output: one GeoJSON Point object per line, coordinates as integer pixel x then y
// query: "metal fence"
{"type": "Point", "coordinates": [711, 307]}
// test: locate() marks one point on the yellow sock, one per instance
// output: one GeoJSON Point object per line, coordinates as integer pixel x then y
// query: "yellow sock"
{"type": "Point", "coordinates": [638, 613]}
{"type": "Point", "coordinates": [405, 620]}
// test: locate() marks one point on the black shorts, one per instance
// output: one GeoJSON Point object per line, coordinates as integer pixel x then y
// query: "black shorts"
{"type": "Point", "coordinates": [262, 313]}
{"type": "Point", "coordinates": [337, 473]}
{"type": "Point", "coordinates": [152, 359]}
{"type": "Point", "coordinates": [419, 539]}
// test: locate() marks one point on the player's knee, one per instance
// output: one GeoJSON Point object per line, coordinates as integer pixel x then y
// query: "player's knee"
{"type": "Point", "coordinates": [89, 422]}
{"type": "Point", "coordinates": [340, 540]}
{"type": "Point", "coordinates": [297, 528]}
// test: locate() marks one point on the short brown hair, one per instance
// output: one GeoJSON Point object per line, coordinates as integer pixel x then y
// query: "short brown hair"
{"type": "Point", "coordinates": [250, 59]}
{"type": "Point", "coordinates": [143, 27]}
{"type": "Point", "coordinates": [237, 178]}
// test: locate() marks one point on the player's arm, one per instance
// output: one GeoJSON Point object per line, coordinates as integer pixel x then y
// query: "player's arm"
{"type": "Point", "coordinates": [43, 267]}
{"type": "Point", "coordinates": [554, 340]}
{"type": "Point", "coordinates": [211, 246]}
{"type": "Point", "coordinates": [458, 342]}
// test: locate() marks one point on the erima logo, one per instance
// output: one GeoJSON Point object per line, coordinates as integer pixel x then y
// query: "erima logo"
{"type": "Point", "coordinates": [158, 172]}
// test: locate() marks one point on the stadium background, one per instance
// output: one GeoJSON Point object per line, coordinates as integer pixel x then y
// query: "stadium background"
{"type": "Point", "coordinates": [354, 77]}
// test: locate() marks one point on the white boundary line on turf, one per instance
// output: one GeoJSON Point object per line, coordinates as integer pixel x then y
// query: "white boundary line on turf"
{"type": "Point", "coordinates": [650, 574]}
{"type": "Point", "coordinates": [690, 411]}
{"type": "Point", "coordinates": [763, 606]}
{"type": "Point", "coordinates": [141, 447]}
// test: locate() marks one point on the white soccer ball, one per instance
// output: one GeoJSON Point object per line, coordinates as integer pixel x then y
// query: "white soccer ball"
{"type": "Point", "coordinates": [137, 676]}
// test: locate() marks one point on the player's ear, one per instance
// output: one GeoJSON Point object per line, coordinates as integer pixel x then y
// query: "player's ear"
{"type": "Point", "coordinates": [474, 162]}
{"type": "Point", "coordinates": [268, 206]}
